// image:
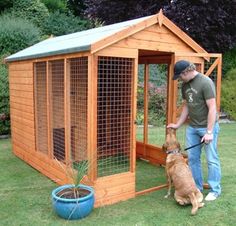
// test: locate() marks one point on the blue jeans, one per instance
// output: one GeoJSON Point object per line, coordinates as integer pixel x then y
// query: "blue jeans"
{"type": "Point", "coordinates": [193, 136]}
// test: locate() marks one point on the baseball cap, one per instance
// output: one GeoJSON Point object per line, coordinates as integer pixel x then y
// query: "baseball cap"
{"type": "Point", "coordinates": [180, 66]}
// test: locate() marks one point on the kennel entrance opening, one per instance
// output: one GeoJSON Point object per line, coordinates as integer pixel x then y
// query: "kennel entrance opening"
{"type": "Point", "coordinates": [152, 102]}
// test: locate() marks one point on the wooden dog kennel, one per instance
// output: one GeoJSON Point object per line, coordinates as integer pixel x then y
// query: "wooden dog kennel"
{"type": "Point", "coordinates": [74, 97]}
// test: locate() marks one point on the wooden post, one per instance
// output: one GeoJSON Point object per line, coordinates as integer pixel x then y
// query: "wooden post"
{"type": "Point", "coordinates": [67, 122]}
{"type": "Point", "coordinates": [218, 82]}
{"type": "Point", "coordinates": [133, 116]}
{"type": "Point", "coordinates": [49, 110]}
{"type": "Point", "coordinates": [172, 93]}
{"type": "Point", "coordinates": [145, 128]}
{"type": "Point", "coordinates": [92, 116]}
{"type": "Point", "coordinates": [35, 110]}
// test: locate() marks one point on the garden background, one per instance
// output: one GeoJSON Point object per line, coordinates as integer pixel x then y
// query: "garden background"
{"type": "Point", "coordinates": [211, 23]}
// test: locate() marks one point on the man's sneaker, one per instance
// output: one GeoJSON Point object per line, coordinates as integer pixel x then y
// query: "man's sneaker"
{"type": "Point", "coordinates": [211, 196]}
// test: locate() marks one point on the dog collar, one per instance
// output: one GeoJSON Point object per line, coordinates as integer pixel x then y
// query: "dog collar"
{"type": "Point", "coordinates": [175, 151]}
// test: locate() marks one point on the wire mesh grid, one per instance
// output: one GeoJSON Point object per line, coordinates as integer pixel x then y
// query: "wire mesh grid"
{"type": "Point", "coordinates": [40, 74]}
{"type": "Point", "coordinates": [157, 103]}
{"type": "Point", "coordinates": [207, 65]}
{"type": "Point", "coordinates": [78, 103]}
{"type": "Point", "coordinates": [114, 114]}
{"type": "Point", "coordinates": [56, 69]}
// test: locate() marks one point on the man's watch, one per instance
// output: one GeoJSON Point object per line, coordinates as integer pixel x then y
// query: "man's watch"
{"type": "Point", "coordinates": [209, 132]}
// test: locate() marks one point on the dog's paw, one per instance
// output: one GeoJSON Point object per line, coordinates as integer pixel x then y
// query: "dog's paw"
{"type": "Point", "coordinates": [201, 204]}
{"type": "Point", "coordinates": [166, 196]}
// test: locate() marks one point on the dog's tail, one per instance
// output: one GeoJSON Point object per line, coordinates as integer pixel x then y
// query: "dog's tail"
{"type": "Point", "coordinates": [194, 202]}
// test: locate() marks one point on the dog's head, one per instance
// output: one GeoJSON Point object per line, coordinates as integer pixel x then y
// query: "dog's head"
{"type": "Point", "coordinates": [171, 141]}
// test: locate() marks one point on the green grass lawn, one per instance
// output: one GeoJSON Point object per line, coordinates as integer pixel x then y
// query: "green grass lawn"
{"type": "Point", "coordinates": [25, 196]}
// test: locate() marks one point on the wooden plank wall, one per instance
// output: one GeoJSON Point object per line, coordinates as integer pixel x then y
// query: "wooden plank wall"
{"type": "Point", "coordinates": [154, 38]}
{"type": "Point", "coordinates": [23, 124]}
{"type": "Point", "coordinates": [22, 105]}
{"type": "Point", "coordinates": [115, 188]}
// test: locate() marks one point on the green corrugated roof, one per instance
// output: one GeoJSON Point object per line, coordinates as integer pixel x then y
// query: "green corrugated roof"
{"type": "Point", "coordinates": [72, 43]}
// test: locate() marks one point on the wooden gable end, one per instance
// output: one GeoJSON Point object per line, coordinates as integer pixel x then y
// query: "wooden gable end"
{"type": "Point", "coordinates": [155, 38]}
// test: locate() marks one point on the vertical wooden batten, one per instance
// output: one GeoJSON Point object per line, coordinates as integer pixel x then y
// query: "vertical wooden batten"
{"type": "Point", "coordinates": [171, 93]}
{"type": "Point", "coordinates": [133, 117]}
{"type": "Point", "coordinates": [92, 115]}
{"type": "Point", "coordinates": [145, 128]}
{"type": "Point", "coordinates": [49, 110]}
{"type": "Point", "coordinates": [35, 112]}
{"type": "Point", "coordinates": [67, 111]}
{"type": "Point", "coordinates": [218, 83]}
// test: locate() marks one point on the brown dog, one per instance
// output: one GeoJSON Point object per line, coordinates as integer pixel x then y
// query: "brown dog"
{"type": "Point", "coordinates": [179, 173]}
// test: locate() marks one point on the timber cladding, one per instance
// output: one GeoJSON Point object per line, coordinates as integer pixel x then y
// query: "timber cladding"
{"type": "Point", "coordinates": [51, 122]}
{"type": "Point", "coordinates": [22, 105]}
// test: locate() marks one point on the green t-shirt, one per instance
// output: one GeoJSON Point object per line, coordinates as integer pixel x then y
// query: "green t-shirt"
{"type": "Point", "coordinates": [196, 92]}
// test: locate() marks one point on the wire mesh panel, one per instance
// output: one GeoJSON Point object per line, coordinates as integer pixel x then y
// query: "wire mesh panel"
{"type": "Point", "coordinates": [157, 103]}
{"type": "Point", "coordinates": [140, 104]}
{"type": "Point", "coordinates": [114, 114]}
{"type": "Point", "coordinates": [57, 114]}
{"type": "Point", "coordinates": [213, 74]}
{"type": "Point", "coordinates": [40, 78]}
{"type": "Point", "coordinates": [78, 103]}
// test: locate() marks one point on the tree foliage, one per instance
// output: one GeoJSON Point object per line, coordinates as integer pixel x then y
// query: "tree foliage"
{"type": "Point", "coordinates": [229, 60]}
{"type": "Point", "coordinates": [4, 100]}
{"type": "Point", "coordinates": [228, 98]}
{"type": "Point", "coordinates": [5, 4]}
{"type": "Point", "coordinates": [209, 22]}
{"type": "Point", "coordinates": [77, 7]}
{"type": "Point", "coordinates": [115, 11]}
{"type": "Point", "coordinates": [60, 24]}
{"type": "Point", "coordinates": [55, 5]}
{"type": "Point", "coordinates": [32, 10]}
{"type": "Point", "coordinates": [16, 34]}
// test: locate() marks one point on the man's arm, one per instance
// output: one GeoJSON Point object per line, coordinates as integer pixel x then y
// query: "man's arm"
{"type": "Point", "coordinates": [211, 104]}
{"type": "Point", "coordinates": [182, 118]}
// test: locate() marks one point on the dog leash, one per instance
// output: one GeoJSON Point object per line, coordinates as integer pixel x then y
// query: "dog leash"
{"type": "Point", "coordinates": [193, 146]}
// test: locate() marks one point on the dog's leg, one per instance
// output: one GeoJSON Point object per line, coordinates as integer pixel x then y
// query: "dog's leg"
{"type": "Point", "coordinates": [169, 186]}
{"type": "Point", "coordinates": [181, 200]}
{"type": "Point", "coordinates": [194, 202]}
{"type": "Point", "coordinates": [199, 197]}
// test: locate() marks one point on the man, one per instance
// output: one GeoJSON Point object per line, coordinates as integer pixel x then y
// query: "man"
{"type": "Point", "coordinates": [198, 92]}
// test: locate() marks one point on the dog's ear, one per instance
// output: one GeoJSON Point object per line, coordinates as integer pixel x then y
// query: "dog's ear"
{"type": "Point", "coordinates": [178, 145]}
{"type": "Point", "coordinates": [164, 147]}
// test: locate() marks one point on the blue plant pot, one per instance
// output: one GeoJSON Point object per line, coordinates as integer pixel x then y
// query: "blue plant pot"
{"type": "Point", "coordinates": [73, 209]}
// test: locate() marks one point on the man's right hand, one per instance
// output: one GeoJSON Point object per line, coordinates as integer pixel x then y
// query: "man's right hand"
{"type": "Point", "coordinates": [172, 125]}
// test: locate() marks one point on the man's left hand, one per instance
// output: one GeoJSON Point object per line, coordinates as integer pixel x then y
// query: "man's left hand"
{"type": "Point", "coordinates": [207, 138]}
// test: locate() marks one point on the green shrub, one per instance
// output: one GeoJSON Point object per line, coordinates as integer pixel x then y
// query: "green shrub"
{"type": "Point", "coordinates": [55, 5]}
{"type": "Point", "coordinates": [229, 61]}
{"type": "Point", "coordinates": [16, 34]}
{"type": "Point", "coordinates": [4, 100]}
{"type": "Point", "coordinates": [32, 10]}
{"type": "Point", "coordinates": [156, 95]}
{"type": "Point", "coordinates": [5, 4]}
{"type": "Point", "coordinates": [156, 104]}
{"type": "Point", "coordinates": [60, 24]}
{"type": "Point", "coordinates": [228, 90]}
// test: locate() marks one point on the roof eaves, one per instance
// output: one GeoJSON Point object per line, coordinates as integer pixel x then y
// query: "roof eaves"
{"type": "Point", "coordinates": [46, 54]}
{"type": "Point", "coordinates": [124, 33]}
